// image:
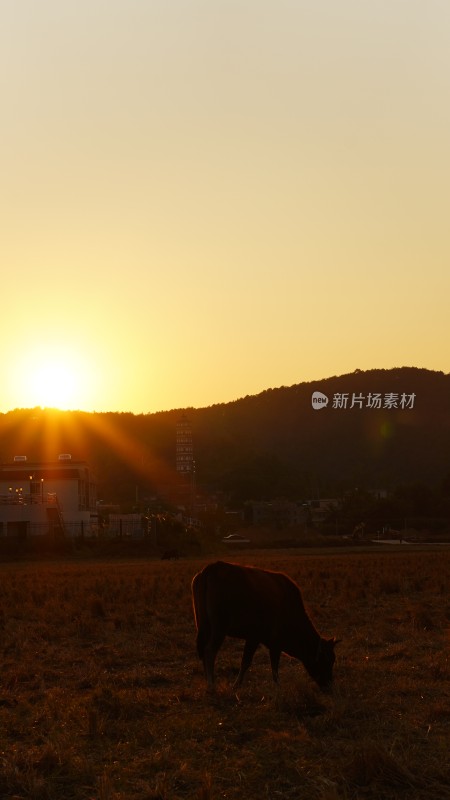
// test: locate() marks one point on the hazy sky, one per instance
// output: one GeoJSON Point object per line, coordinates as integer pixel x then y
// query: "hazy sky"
{"type": "Point", "coordinates": [203, 199]}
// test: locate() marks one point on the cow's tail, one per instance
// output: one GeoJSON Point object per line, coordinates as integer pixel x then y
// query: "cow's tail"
{"type": "Point", "coordinates": [199, 588]}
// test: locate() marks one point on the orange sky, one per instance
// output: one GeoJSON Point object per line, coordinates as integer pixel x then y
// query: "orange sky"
{"type": "Point", "coordinates": [203, 200]}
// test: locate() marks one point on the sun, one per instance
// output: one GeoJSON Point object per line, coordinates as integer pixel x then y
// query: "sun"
{"type": "Point", "coordinates": [53, 385]}
{"type": "Point", "coordinates": [54, 377]}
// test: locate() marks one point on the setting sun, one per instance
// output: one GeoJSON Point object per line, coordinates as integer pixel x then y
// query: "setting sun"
{"type": "Point", "coordinates": [54, 377]}
{"type": "Point", "coordinates": [54, 385]}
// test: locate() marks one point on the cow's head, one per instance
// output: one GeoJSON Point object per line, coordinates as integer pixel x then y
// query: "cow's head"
{"type": "Point", "coordinates": [321, 668]}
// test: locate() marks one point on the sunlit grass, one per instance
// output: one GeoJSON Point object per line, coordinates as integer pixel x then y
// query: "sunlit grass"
{"type": "Point", "coordinates": [102, 695]}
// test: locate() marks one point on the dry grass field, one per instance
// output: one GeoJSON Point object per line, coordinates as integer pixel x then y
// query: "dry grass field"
{"type": "Point", "coordinates": [102, 695]}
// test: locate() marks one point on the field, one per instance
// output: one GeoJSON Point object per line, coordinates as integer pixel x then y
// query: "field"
{"type": "Point", "coordinates": [102, 695]}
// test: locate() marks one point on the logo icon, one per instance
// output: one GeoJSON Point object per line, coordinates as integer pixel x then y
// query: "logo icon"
{"type": "Point", "coordinates": [319, 400]}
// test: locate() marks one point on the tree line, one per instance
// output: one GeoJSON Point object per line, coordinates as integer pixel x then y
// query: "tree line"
{"type": "Point", "coordinates": [274, 444]}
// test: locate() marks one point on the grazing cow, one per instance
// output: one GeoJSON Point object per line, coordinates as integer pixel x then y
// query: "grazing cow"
{"type": "Point", "coordinates": [261, 607]}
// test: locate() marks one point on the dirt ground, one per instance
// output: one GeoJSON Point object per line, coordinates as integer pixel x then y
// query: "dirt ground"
{"type": "Point", "coordinates": [102, 695]}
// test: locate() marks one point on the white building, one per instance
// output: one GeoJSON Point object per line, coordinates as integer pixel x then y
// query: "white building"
{"type": "Point", "coordinates": [53, 497]}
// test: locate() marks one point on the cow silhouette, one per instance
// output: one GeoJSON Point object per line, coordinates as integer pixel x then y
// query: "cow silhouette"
{"type": "Point", "coordinates": [261, 607]}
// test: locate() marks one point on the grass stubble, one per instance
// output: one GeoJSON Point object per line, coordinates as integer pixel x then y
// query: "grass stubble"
{"type": "Point", "coordinates": [102, 695]}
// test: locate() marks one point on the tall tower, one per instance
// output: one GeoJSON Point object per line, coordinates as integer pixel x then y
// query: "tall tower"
{"type": "Point", "coordinates": [185, 465]}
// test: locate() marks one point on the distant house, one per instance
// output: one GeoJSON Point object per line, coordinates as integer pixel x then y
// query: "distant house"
{"type": "Point", "coordinates": [320, 509]}
{"type": "Point", "coordinates": [278, 513]}
{"type": "Point", "coordinates": [56, 497]}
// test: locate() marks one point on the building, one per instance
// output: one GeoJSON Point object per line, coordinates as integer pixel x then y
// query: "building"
{"type": "Point", "coordinates": [278, 513]}
{"type": "Point", "coordinates": [185, 466]}
{"type": "Point", "coordinates": [320, 510]}
{"type": "Point", "coordinates": [54, 497]}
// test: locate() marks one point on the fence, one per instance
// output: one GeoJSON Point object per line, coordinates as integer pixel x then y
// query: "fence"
{"type": "Point", "coordinates": [117, 529]}
{"type": "Point", "coordinates": [21, 529]}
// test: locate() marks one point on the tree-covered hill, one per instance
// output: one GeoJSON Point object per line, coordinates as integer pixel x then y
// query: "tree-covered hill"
{"type": "Point", "coordinates": [271, 444]}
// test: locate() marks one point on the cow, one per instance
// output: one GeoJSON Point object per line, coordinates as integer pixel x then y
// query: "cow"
{"type": "Point", "coordinates": [261, 607]}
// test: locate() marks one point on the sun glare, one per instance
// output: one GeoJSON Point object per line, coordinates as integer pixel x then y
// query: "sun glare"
{"type": "Point", "coordinates": [54, 378]}
{"type": "Point", "coordinates": [53, 386]}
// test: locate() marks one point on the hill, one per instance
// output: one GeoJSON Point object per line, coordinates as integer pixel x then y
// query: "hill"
{"type": "Point", "coordinates": [379, 429]}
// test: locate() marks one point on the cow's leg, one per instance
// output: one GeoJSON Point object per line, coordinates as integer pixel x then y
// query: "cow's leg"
{"type": "Point", "coordinates": [209, 657]}
{"type": "Point", "coordinates": [274, 661]}
{"type": "Point", "coordinates": [247, 657]}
